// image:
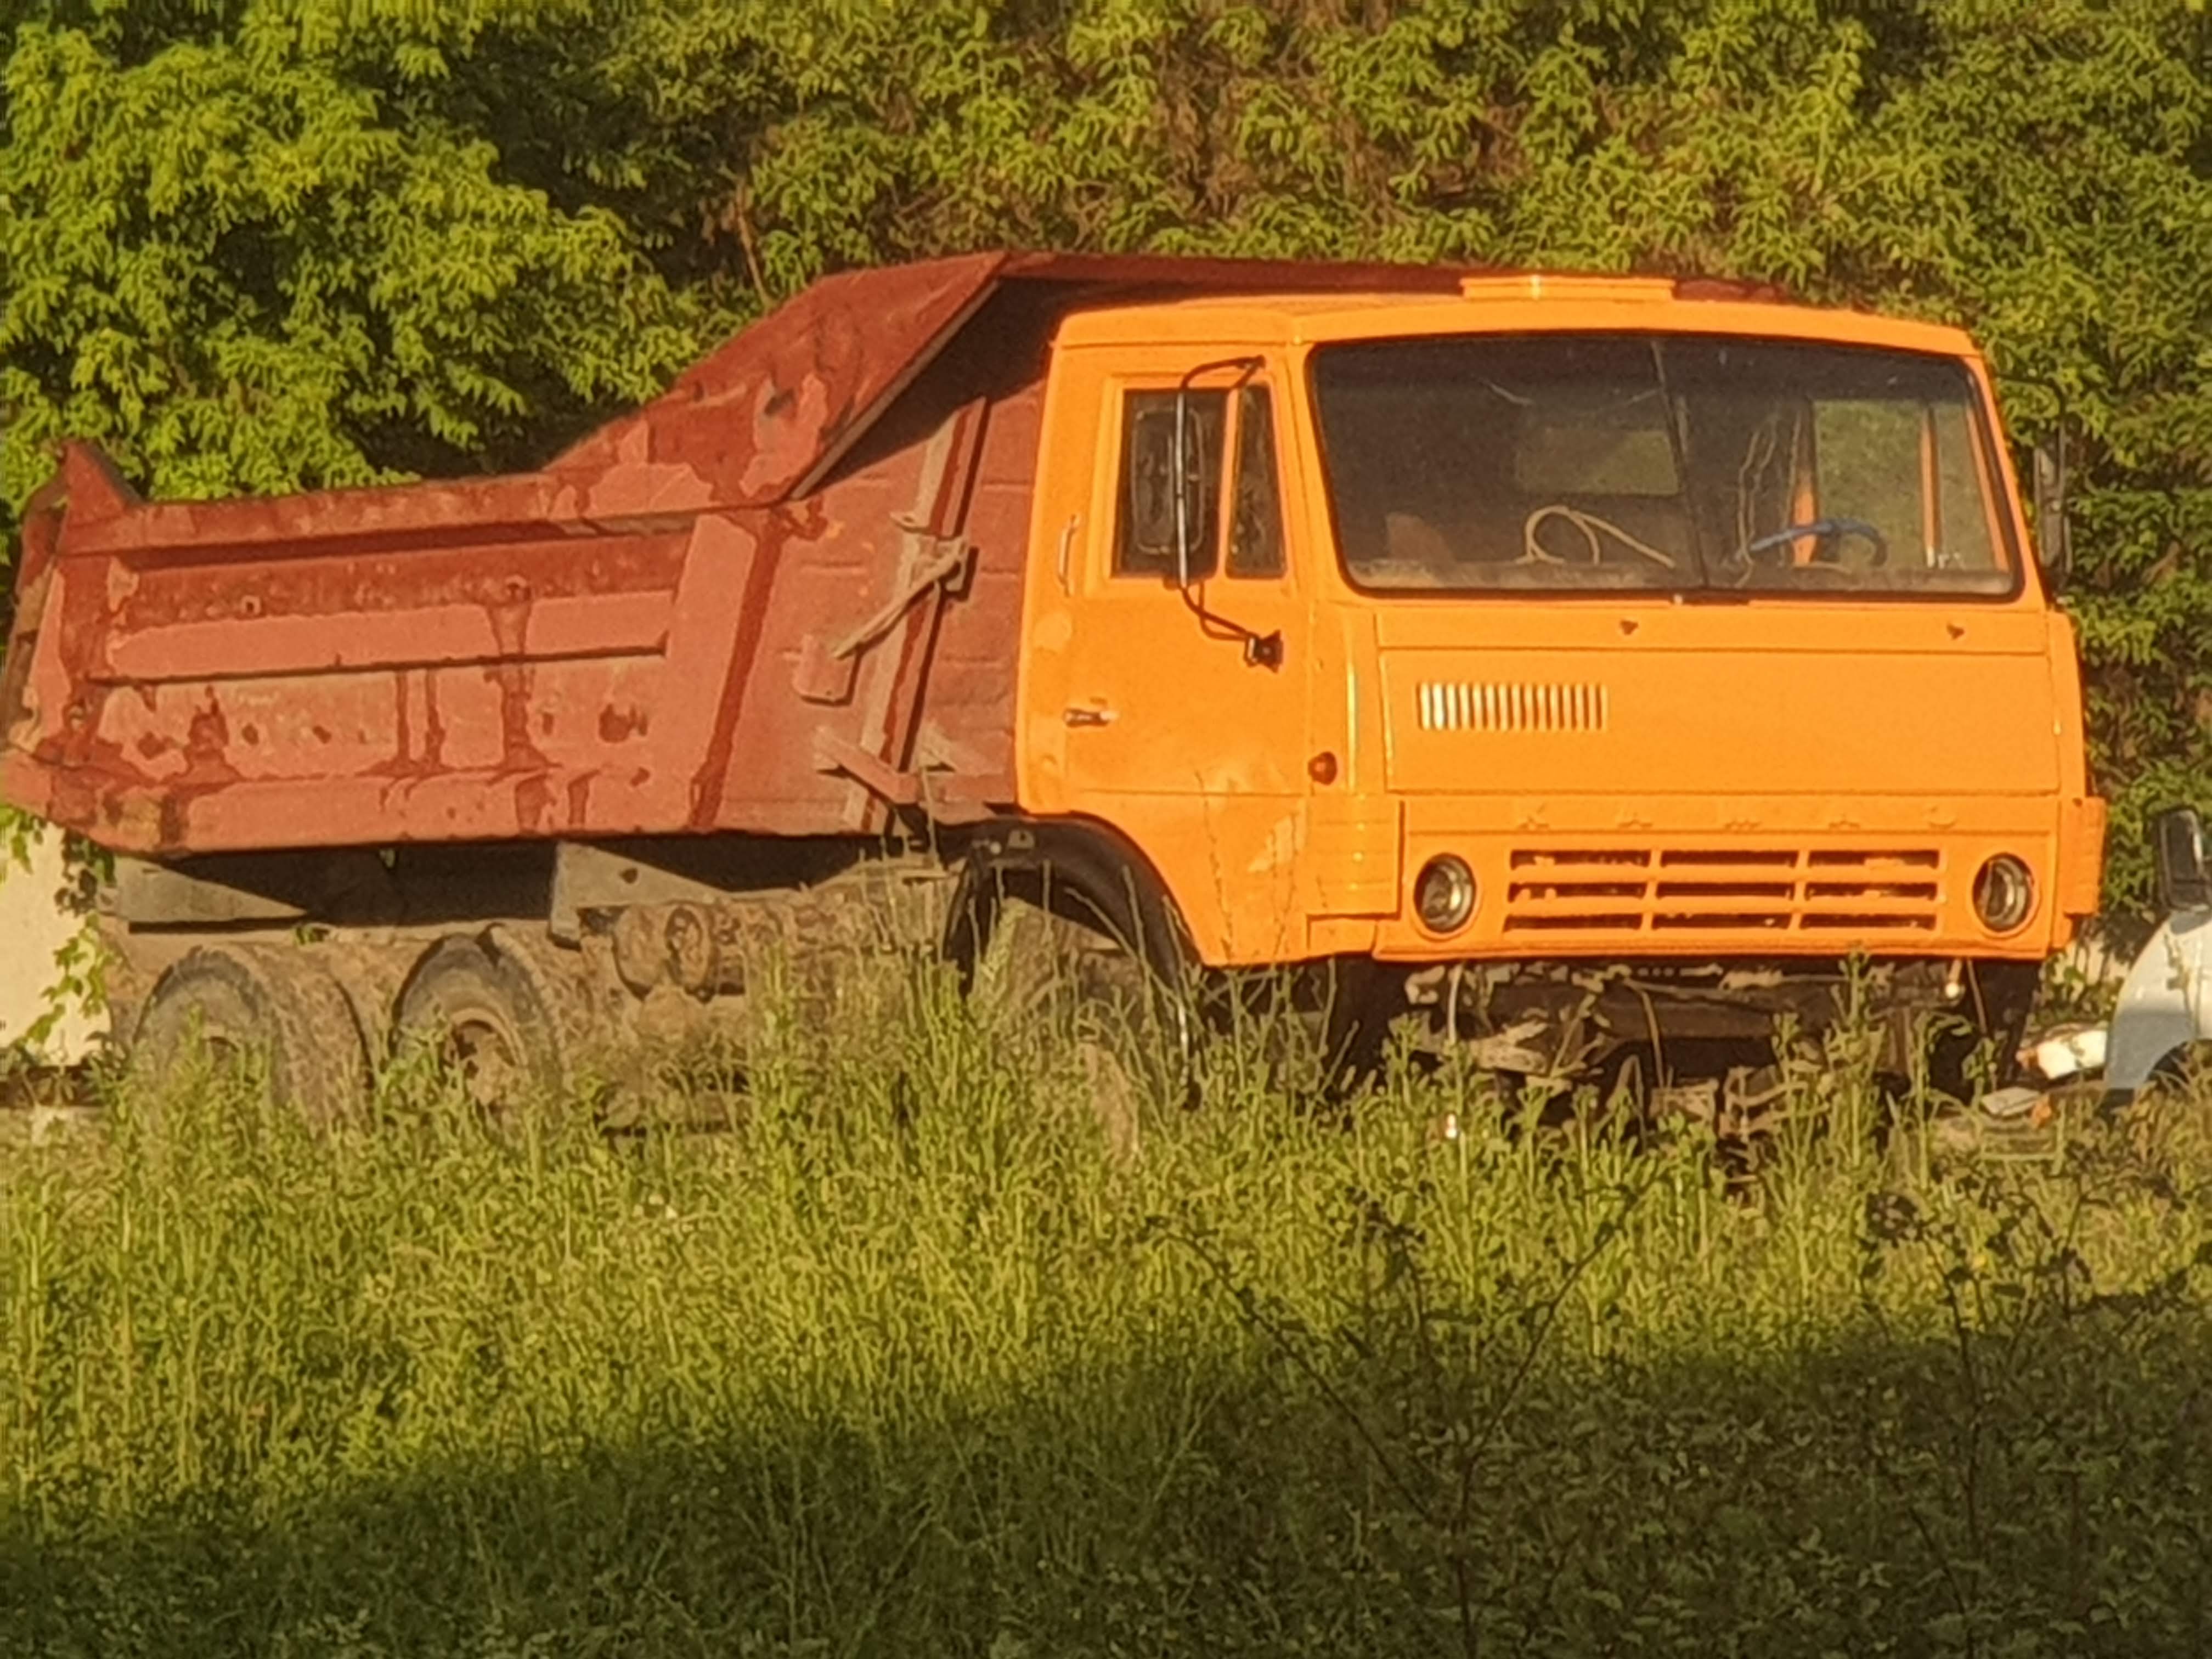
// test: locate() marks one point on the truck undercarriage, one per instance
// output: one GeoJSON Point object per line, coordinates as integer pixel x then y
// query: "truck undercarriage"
{"type": "Point", "coordinates": [532, 963]}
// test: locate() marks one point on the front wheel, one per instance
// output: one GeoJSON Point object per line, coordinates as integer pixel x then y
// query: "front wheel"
{"type": "Point", "coordinates": [1038, 972]}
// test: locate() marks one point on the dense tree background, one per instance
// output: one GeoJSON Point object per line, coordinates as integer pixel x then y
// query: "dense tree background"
{"type": "Point", "coordinates": [263, 244]}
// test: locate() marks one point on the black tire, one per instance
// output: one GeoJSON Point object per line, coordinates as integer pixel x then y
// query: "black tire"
{"type": "Point", "coordinates": [1133, 1035]}
{"type": "Point", "coordinates": [272, 1001]}
{"type": "Point", "coordinates": [1321, 1036]}
{"type": "Point", "coordinates": [1035, 963]}
{"type": "Point", "coordinates": [496, 1013]}
{"type": "Point", "coordinates": [2000, 995]}
{"type": "Point", "coordinates": [2182, 1076]}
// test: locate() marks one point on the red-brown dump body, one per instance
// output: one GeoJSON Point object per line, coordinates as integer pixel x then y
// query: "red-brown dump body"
{"type": "Point", "coordinates": [784, 597]}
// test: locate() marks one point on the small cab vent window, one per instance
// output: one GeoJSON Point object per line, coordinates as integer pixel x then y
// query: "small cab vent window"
{"type": "Point", "coordinates": [1255, 523]}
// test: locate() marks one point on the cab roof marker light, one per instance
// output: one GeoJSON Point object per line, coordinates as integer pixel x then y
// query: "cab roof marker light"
{"type": "Point", "coordinates": [1545, 285]}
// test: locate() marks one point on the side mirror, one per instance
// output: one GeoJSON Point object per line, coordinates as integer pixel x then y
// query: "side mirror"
{"type": "Point", "coordinates": [1154, 494]}
{"type": "Point", "coordinates": [2178, 843]}
{"type": "Point", "coordinates": [2054, 549]}
{"type": "Point", "coordinates": [2054, 544]}
{"type": "Point", "coordinates": [1189, 434]}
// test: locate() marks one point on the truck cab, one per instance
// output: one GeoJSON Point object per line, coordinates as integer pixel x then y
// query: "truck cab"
{"type": "Point", "coordinates": [1561, 623]}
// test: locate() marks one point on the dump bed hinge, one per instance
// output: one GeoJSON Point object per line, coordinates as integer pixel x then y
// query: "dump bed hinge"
{"type": "Point", "coordinates": [935, 564]}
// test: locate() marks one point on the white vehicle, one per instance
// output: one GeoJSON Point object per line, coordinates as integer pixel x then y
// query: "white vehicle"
{"type": "Point", "coordinates": [2165, 1009]}
{"type": "Point", "coordinates": [2163, 1017]}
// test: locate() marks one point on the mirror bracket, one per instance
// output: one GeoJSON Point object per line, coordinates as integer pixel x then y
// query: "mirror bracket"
{"type": "Point", "coordinates": [1261, 650]}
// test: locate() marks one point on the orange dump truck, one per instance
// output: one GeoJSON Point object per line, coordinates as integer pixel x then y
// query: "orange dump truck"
{"type": "Point", "coordinates": [1616, 664]}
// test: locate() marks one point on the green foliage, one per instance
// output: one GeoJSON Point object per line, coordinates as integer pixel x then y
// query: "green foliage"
{"type": "Point", "coordinates": [229, 264]}
{"type": "Point", "coordinates": [253, 244]}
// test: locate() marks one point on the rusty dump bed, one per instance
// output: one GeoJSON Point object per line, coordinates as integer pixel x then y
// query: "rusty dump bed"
{"type": "Point", "coordinates": [783, 597]}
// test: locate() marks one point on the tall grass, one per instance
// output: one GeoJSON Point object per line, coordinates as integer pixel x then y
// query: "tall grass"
{"type": "Point", "coordinates": [914, 1362]}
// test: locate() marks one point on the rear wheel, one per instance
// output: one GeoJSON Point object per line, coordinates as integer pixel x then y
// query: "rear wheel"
{"type": "Point", "coordinates": [501, 1013]}
{"type": "Point", "coordinates": [271, 1005]}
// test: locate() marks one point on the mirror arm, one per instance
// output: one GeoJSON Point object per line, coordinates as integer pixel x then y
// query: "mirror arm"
{"type": "Point", "coordinates": [1261, 650]}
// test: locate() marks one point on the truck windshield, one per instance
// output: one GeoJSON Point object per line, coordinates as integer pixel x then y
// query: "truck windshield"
{"type": "Point", "coordinates": [1569, 462]}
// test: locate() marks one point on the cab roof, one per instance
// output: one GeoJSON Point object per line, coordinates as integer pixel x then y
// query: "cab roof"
{"type": "Point", "coordinates": [1519, 303]}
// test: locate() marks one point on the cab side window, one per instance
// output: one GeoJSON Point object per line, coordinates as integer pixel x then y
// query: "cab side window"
{"type": "Point", "coordinates": [1219, 427]}
{"type": "Point", "coordinates": [1255, 517]}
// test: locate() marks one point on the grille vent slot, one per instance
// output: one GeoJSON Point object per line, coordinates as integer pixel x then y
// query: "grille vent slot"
{"type": "Point", "coordinates": [1748, 891]}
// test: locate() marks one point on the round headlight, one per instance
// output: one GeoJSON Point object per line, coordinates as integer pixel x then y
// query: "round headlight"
{"type": "Point", "coordinates": [1443, 894]}
{"type": "Point", "coordinates": [2004, 894]}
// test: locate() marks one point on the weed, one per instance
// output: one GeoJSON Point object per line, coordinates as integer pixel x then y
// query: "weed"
{"type": "Point", "coordinates": [912, 1359]}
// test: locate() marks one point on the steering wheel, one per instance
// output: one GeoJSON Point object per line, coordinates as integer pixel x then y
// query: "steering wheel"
{"type": "Point", "coordinates": [1827, 530]}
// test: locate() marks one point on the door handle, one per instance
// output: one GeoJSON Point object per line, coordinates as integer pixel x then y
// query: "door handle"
{"type": "Point", "coordinates": [1089, 716]}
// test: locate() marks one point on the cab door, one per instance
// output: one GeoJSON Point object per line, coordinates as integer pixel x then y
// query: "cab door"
{"type": "Point", "coordinates": [1184, 707]}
